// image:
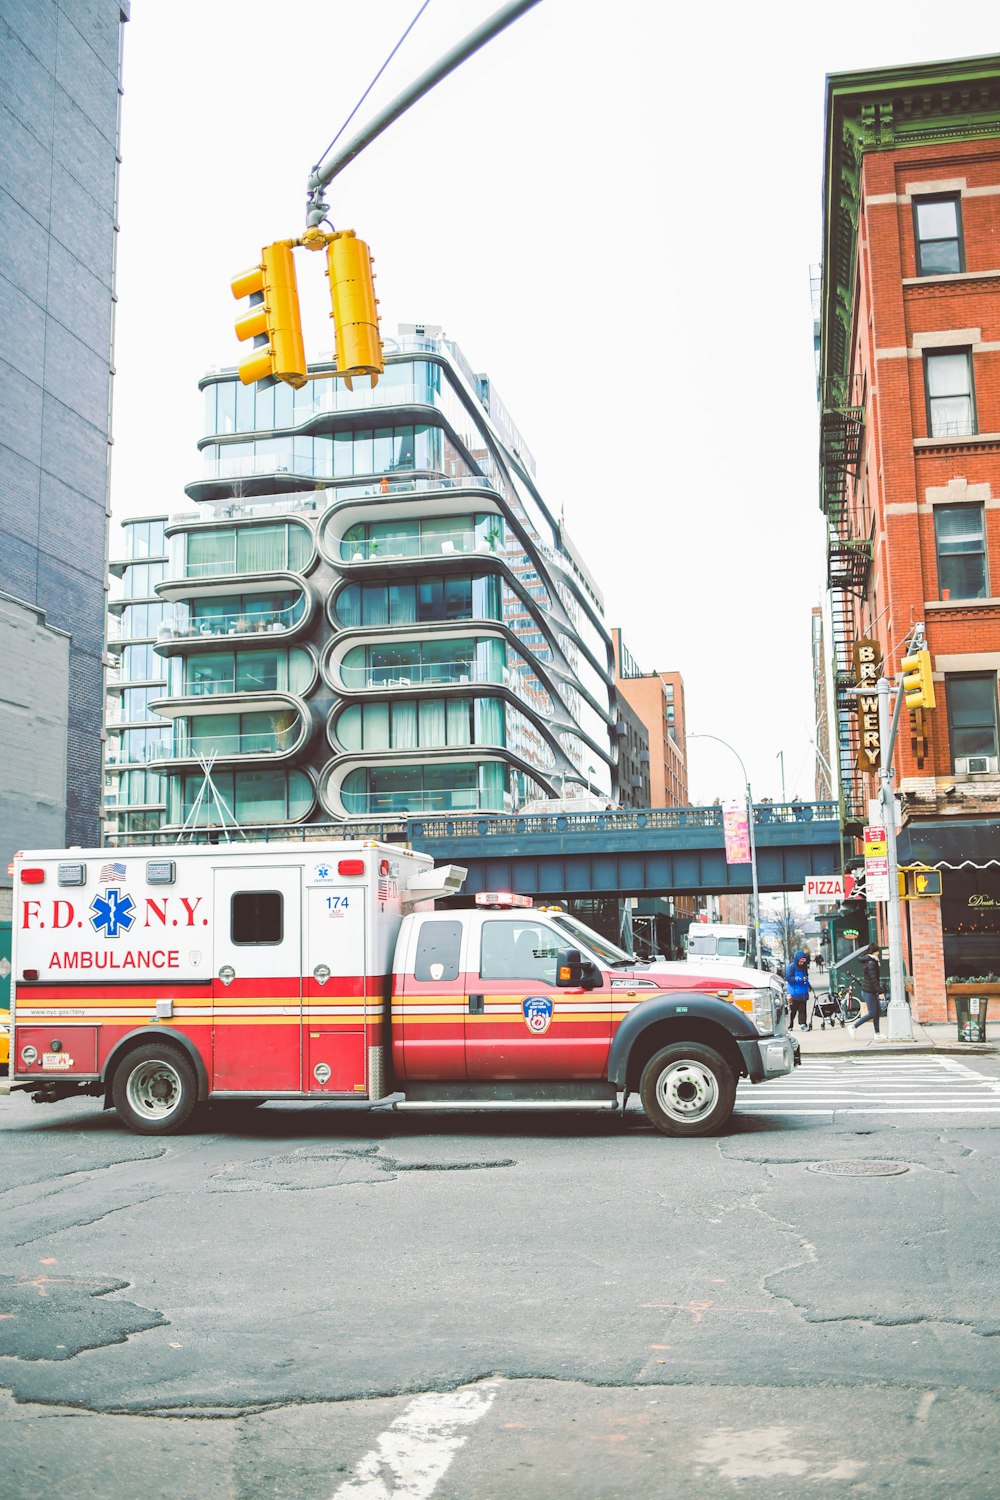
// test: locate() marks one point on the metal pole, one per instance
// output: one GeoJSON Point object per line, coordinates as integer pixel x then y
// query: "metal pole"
{"type": "Point", "coordinates": [785, 945]}
{"type": "Point", "coordinates": [899, 1022]}
{"type": "Point", "coordinates": [753, 840]}
{"type": "Point", "coordinates": [331, 166]}
{"type": "Point", "coordinates": [753, 876]}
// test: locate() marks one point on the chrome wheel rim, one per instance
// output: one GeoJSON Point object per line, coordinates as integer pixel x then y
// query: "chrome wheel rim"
{"type": "Point", "coordinates": [154, 1090]}
{"type": "Point", "coordinates": [687, 1090]}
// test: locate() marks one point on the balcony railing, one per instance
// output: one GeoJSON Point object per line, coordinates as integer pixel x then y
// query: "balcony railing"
{"type": "Point", "coordinates": [422, 674]}
{"type": "Point", "coordinates": [225, 746]}
{"type": "Point", "coordinates": [405, 544]}
{"type": "Point", "coordinates": [386, 804]}
{"type": "Point", "coordinates": [269, 622]}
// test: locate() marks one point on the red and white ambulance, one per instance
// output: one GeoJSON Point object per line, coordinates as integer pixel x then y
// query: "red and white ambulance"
{"type": "Point", "coordinates": [166, 976]}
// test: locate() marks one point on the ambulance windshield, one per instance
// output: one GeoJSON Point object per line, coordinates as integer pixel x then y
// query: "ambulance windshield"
{"type": "Point", "coordinates": [607, 952]}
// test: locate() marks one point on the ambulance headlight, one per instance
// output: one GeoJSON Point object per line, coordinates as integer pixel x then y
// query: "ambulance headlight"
{"type": "Point", "coordinates": [759, 1006]}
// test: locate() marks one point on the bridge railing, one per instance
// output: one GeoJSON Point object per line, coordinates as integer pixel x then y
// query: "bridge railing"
{"type": "Point", "coordinates": [420, 829]}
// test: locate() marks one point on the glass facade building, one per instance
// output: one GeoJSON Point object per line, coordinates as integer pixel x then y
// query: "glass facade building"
{"type": "Point", "coordinates": [60, 77]}
{"type": "Point", "coordinates": [373, 611]}
{"type": "Point", "coordinates": [133, 790]}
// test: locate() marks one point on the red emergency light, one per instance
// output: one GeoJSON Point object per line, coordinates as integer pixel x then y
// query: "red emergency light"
{"type": "Point", "coordinates": [351, 867]}
{"type": "Point", "coordinates": [502, 898]}
{"type": "Point", "coordinates": [32, 876]}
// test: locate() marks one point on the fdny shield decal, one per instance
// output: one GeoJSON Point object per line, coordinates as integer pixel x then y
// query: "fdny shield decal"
{"type": "Point", "coordinates": [537, 1013]}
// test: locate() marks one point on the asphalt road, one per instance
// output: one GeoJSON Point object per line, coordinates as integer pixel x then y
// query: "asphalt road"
{"type": "Point", "coordinates": [300, 1302]}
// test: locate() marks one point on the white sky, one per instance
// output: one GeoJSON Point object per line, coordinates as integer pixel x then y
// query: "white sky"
{"type": "Point", "coordinates": [613, 209]}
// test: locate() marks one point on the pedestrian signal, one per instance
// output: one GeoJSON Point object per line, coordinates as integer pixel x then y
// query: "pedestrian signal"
{"type": "Point", "coordinates": [354, 307]}
{"type": "Point", "coordinates": [913, 884]}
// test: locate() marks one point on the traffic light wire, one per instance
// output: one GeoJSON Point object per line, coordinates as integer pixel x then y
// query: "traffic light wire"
{"type": "Point", "coordinates": [364, 96]}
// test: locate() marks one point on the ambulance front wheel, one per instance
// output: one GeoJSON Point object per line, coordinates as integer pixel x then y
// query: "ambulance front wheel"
{"type": "Point", "coordinates": [687, 1089]}
{"type": "Point", "coordinates": [154, 1089]}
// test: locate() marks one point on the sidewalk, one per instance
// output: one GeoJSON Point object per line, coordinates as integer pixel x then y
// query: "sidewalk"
{"type": "Point", "coordinates": [841, 1041]}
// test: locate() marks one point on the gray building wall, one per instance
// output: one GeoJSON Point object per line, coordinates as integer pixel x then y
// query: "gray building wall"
{"type": "Point", "coordinates": [59, 113]}
{"type": "Point", "coordinates": [34, 716]}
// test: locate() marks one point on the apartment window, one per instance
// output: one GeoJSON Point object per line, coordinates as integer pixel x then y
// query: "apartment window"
{"type": "Point", "coordinates": [951, 407]}
{"type": "Point", "coordinates": [937, 224]}
{"type": "Point", "coordinates": [961, 551]}
{"type": "Point", "coordinates": [972, 721]}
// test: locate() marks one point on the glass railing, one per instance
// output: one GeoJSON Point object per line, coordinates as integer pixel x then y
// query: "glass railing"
{"type": "Point", "coordinates": [422, 674]}
{"type": "Point", "coordinates": [405, 544]}
{"type": "Point", "coordinates": [442, 799]}
{"type": "Point", "coordinates": [269, 622]}
{"type": "Point", "coordinates": [260, 742]}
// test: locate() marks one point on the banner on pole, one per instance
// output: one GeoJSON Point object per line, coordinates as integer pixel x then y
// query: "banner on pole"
{"type": "Point", "coordinates": [736, 827]}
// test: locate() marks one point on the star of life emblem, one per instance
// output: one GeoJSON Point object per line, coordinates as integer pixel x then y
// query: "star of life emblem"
{"type": "Point", "coordinates": [537, 1013]}
{"type": "Point", "coordinates": [113, 913]}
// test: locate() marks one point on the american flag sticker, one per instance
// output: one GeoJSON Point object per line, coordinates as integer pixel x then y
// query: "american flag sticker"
{"type": "Point", "coordinates": [115, 871]}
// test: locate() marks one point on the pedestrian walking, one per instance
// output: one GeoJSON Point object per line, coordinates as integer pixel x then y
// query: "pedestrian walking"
{"type": "Point", "coordinates": [871, 989]}
{"type": "Point", "coordinates": [797, 985]}
{"type": "Point", "coordinates": [819, 963]}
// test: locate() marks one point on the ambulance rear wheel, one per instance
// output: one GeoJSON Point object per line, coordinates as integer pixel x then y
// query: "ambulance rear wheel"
{"type": "Point", "coordinates": [154, 1089]}
{"type": "Point", "coordinates": [687, 1089]}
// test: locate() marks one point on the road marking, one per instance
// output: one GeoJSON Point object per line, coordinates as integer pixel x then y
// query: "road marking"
{"type": "Point", "coordinates": [411, 1456]}
{"type": "Point", "coordinates": [852, 1086]}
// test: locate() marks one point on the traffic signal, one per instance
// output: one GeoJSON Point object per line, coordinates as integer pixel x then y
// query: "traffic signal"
{"type": "Point", "coordinates": [355, 307]}
{"type": "Point", "coordinates": [918, 682]}
{"type": "Point", "coordinates": [916, 883]}
{"type": "Point", "coordinates": [273, 321]}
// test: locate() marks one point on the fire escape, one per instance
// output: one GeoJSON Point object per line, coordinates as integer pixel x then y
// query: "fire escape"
{"type": "Point", "coordinates": [849, 562]}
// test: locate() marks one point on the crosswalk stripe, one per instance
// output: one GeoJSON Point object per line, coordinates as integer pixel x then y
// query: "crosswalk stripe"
{"type": "Point", "coordinates": [852, 1086]}
{"type": "Point", "coordinates": [411, 1456]}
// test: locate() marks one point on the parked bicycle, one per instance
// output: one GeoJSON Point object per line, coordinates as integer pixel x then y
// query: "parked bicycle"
{"type": "Point", "coordinates": [849, 999]}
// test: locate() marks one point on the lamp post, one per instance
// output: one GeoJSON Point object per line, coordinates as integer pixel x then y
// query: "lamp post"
{"type": "Point", "coordinates": [753, 839]}
{"type": "Point", "coordinates": [780, 757]}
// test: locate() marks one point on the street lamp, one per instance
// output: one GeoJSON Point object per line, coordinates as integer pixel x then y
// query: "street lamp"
{"type": "Point", "coordinates": [785, 945]}
{"type": "Point", "coordinates": [753, 840]}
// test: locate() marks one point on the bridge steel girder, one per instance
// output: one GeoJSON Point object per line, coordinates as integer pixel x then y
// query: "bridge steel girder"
{"type": "Point", "coordinates": [651, 862]}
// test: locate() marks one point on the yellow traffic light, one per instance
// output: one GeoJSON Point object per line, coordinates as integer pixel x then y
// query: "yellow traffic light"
{"type": "Point", "coordinates": [918, 682]}
{"type": "Point", "coordinates": [355, 307]}
{"type": "Point", "coordinates": [273, 321]}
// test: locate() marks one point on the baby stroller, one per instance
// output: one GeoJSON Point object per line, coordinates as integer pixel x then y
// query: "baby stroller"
{"type": "Point", "coordinates": [826, 1004]}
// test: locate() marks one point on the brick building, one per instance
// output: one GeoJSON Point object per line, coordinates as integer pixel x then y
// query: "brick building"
{"type": "Point", "coordinates": [910, 471]}
{"type": "Point", "coordinates": [657, 699]}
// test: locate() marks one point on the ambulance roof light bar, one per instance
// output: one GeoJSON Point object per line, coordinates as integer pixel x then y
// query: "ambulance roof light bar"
{"type": "Point", "coordinates": [502, 899]}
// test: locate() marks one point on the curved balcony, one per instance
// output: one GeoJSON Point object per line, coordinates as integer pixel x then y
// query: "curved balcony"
{"type": "Point", "coordinates": [279, 740]}
{"type": "Point", "coordinates": [242, 628]}
{"type": "Point", "coordinates": [404, 534]}
{"type": "Point", "coordinates": [449, 793]}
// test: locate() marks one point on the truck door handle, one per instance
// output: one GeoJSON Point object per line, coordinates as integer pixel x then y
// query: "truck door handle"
{"type": "Point", "coordinates": [476, 1005]}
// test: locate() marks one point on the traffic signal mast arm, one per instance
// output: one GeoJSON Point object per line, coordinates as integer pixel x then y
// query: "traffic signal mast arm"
{"type": "Point", "coordinates": [333, 164]}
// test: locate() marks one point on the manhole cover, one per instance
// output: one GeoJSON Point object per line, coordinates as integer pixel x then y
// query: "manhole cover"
{"type": "Point", "coordinates": [860, 1168]}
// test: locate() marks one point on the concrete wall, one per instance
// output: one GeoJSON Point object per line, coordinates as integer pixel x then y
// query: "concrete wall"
{"type": "Point", "coordinates": [59, 98]}
{"type": "Point", "coordinates": [34, 719]}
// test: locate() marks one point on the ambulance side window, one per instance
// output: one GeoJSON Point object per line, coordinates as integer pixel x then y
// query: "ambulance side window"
{"type": "Point", "coordinates": [439, 948]}
{"type": "Point", "coordinates": [517, 950]}
{"type": "Point", "coordinates": [257, 917]}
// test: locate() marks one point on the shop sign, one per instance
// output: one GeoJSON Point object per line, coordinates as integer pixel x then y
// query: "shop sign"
{"type": "Point", "coordinates": [867, 659]}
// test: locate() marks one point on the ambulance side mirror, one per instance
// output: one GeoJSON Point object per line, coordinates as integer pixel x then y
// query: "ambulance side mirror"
{"type": "Point", "coordinates": [573, 971]}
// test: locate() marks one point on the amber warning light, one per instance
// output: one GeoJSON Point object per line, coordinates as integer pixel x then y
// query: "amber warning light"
{"type": "Point", "coordinates": [502, 898]}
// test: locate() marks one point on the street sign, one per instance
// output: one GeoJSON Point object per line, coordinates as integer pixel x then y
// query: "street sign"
{"type": "Point", "coordinates": [876, 864]}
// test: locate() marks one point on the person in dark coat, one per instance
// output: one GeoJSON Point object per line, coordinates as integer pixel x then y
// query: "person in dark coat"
{"type": "Point", "coordinates": [871, 989]}
{"type": "Point", "coordinates": [797, 985]}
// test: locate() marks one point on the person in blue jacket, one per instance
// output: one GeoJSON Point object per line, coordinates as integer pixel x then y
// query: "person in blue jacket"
{"type": "Point", "coordinates": [797, 985]}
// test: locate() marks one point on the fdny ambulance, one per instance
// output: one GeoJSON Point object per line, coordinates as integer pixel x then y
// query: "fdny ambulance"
{"type": "Point", "coordinates": [162, 977]}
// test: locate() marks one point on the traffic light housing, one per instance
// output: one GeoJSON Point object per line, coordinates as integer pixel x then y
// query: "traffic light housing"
{"type": "Point", "coordinates": [273, 320]}
{"type": "Point", "coordinates": [354, 307]}
{"type": "Point", "coordinates": [918, 681]}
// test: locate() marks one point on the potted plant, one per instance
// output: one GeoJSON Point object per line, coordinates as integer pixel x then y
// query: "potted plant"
{"type": "Point", "coordinates": [983, 985]}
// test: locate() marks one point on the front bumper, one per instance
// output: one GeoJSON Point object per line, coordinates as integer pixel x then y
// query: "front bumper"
{"type": "Point", "coordinates": [770, 1057]}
